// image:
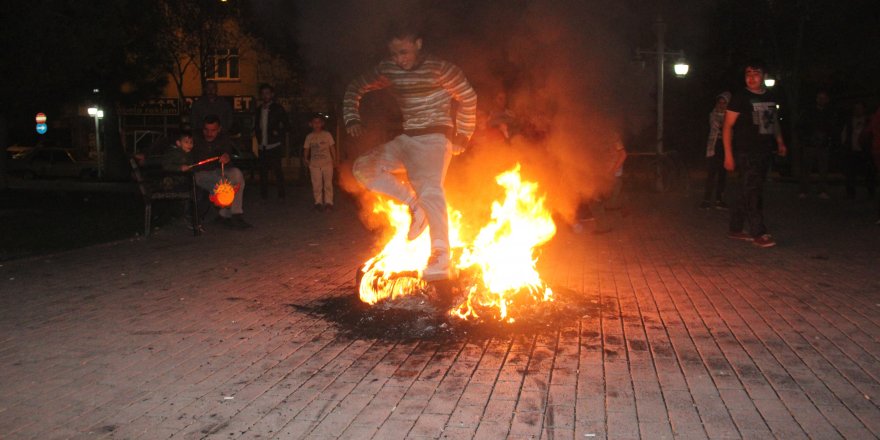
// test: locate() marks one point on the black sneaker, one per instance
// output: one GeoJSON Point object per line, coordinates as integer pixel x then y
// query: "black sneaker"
{"type": "Point", "coordinates": [720, 205]}
{"type": "Point", "coordinates": [319, 207]}
{"type": "Point", "coordinates": [328, 207]}
{"type": "Point", "coordinates": [705, 204]}
{"type": "Point", "coordinates": [237, 222]}
{"type": "Point", "coordinates": [222, 221]}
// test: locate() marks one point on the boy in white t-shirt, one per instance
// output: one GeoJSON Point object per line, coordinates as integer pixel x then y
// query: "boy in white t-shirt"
{"type": "Point", "coordinates": [319, 156]}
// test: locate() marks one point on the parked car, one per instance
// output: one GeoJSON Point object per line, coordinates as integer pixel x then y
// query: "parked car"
{"type": "Point", "coordinates": [17, 151]}
{"type": "Point", "coordinates": [52, 163]}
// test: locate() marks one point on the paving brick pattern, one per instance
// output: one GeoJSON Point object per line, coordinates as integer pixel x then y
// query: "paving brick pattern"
{"type": "Point", "coordinates": [692, 336]}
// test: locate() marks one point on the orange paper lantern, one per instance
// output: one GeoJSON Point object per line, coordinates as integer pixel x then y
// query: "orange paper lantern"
{"type": "Point", "coordinates": [224, 193]}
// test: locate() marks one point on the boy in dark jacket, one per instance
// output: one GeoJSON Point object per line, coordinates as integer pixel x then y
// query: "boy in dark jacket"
{"type": "Point", "coordinates": [178, 157]}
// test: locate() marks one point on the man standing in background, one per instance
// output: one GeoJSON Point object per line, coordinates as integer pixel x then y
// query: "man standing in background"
{"type": "Point", "coordinates": [210, 104]}
{"type": "Point", "coordinates": [270, 128]}
{"type": "Point", "coordinates": [817, 131]}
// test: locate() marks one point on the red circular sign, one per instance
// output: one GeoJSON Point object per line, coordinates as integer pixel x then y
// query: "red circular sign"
{"type": "Point", "coordinates": [41, 118]}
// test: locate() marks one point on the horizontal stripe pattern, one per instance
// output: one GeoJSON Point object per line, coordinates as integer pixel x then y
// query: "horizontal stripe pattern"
{"type": "Point", "coordinates": [424, 94]}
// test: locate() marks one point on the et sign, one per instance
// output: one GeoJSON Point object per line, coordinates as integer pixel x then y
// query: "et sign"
{"type": "Point", "coordinates": [41, 128]}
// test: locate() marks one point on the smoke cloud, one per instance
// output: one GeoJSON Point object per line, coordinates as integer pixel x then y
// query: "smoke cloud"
{"type": "Point", "coordinates": [565, 67]}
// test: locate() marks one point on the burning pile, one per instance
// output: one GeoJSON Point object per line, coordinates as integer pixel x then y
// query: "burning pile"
{"type": "Point", "coordinates": [497, 268]}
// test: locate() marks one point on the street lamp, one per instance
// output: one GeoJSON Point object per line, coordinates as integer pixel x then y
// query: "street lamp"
{"type": "Point", "coordinates": [98, 114]}
{"type": "Point", "coordinates": [680, 68]}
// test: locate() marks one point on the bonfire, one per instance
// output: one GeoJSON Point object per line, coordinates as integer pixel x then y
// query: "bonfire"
{"type": "Point", "coordinates": [497, 268]}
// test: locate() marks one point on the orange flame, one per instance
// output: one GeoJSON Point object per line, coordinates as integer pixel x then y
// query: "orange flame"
{"type": "Point", "coordinates": [504, 249]}
{"type": "Point", "coordinates": [498, 266]}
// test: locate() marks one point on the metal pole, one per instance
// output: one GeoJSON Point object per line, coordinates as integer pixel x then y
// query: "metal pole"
{"type": "Point", "coordinates": [661, 61]}
{"type": "Point", "coordinates": [98, 148]}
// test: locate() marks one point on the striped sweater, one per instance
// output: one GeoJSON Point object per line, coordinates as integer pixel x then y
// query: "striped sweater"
{"type": "Point", "coordinates": [424, 95]}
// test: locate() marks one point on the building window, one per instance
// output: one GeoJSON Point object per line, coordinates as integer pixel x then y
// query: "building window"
{"type": "Point", "coordinates": [222, 64]}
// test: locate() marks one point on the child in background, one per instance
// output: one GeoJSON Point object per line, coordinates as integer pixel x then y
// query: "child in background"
{"type": "Point", "coordinates": [610, 198]}
{"type": "Point", "coordinates": [716, 175]}
{"type": "Point", "coordinates": [319, 156]}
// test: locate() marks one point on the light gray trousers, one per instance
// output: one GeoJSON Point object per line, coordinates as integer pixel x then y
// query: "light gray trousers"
{"type": "Point", "coordinates": [425, 159]}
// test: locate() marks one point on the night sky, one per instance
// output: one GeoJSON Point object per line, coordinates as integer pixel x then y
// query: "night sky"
{"type": "Point", "coordinates": [553, 57]}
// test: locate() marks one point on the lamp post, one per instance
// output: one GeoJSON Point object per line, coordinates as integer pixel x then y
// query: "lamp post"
{"type": "Point", "coordinates": [97, 114]}
{"type": "Point", "coordinates": [681, 69]}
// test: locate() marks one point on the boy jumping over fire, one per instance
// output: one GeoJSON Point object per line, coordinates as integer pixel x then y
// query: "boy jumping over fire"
{"type": "Point", "coordinates": [424, 87]}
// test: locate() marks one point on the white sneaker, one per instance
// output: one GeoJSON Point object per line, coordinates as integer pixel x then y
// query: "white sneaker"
{"type": "Point", "coordinates": [417, 224]}
{"type": "Point", "coordinates": [438, 267]}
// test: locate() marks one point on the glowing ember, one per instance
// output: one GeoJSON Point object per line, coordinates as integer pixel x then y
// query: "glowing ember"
{"type": "Point", "coordinates": [223, 194]}
{"type": "Point", "coordinates": [497, 268]}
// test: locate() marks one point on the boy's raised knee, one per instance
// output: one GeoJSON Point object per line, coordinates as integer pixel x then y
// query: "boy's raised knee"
{"type": "Point", "coordinates": [360, 170]}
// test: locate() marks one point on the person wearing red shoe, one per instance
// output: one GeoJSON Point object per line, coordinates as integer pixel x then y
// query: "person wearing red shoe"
{"type": "Point", "coordinates": [751, 127]}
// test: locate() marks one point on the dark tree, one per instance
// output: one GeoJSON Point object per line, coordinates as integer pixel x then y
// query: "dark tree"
{"type": "Point", "coordinates": [56, 53]}
{"type": "Point", "coordinates": [193, 31]}
{"type": "Point", "coordinates": [60, 50]}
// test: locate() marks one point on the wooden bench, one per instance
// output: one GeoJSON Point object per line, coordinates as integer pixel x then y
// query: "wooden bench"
{"type": "Point", "coordinates": [157, 184]}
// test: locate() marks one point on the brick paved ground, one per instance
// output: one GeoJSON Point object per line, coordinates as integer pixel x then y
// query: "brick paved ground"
{"type": "Point", "coordinates": [693, 336]}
